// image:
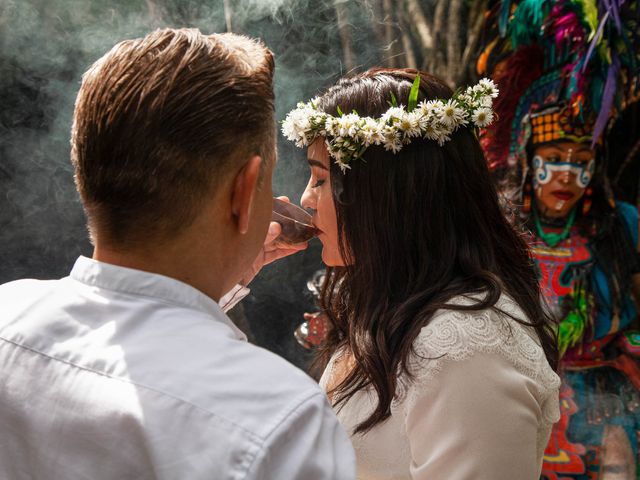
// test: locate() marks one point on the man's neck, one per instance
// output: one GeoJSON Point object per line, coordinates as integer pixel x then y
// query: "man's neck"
{"type": "Point", "coordinates": [174, 261]}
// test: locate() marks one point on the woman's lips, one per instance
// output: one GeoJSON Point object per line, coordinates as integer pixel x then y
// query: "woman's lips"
{"type": "Point", "coordinates": [563, 195]}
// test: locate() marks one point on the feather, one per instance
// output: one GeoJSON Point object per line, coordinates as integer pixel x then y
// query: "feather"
{"type": "Point", "coordinates": [608, 96]}
{"type": "Point", "coordinates": [503, 21]}
{"type": "Point", "coordinates": [590, 14]}
{"type": "Point", "coordinates": [615, 12]}
{"type": "Point", "coordinates": [526, 25]}
{"type": "Point", "coordinates": [513, 79]}
{"type": "Point", "coordinates": [596, 40]}
{"type": "Point", "coordinates": [573, 327]}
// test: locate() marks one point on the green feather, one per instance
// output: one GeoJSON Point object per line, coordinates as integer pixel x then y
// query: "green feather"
{"type": "Point", "coordinates": [526, 24]}
{"type": "Point", "coordinates": [571, 330]}
{"type": "Point", "coordinates": [590, 15]}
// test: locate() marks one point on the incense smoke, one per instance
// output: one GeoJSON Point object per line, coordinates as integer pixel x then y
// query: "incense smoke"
{"type": "Point", "coordinates": [46, 45]}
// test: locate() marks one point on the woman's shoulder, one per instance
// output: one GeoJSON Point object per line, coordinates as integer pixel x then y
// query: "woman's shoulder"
{"type": "Point", "coordinates": [629, 215]}
{"type": "Point", "coordinates": [455, 335]}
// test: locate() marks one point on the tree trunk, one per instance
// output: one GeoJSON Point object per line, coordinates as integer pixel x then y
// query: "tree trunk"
{"type": "Point", "coordinates": [393, 59]}
{"type": "Point", "coordinates": [378, 21]}
{"type": "Point", "coordinates": [345, 35]}
{"type": "Point", "coordinates": [476, 20]}
{"type": "Point", "coordinates": [418, 21]}
{"type": "Point", "coordinates": [453, 41]}
{"type": "Point", "coordinates": [407, 45]}
{"type": "Point", "coordinates": [437, 62]}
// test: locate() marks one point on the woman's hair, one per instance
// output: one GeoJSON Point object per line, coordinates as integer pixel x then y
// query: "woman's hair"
{"type": "Point", "coordinates": [417, 228]}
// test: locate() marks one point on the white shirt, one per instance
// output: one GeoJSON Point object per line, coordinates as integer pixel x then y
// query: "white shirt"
{"type": "Point", "coordinates": [480, 406]}
{"type": "Point", "coordinates": [113, 373]}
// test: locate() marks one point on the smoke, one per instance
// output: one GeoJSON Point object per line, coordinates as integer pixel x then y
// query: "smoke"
{"type": "Point", "coordinates": [46, 45]}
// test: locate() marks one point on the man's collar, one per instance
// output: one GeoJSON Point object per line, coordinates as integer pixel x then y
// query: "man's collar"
{"type": "Point", "coordinates": [150, 285]}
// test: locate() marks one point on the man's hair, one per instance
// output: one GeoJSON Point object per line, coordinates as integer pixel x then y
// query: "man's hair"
{"type": "Point", "coordinates": [160, 120]}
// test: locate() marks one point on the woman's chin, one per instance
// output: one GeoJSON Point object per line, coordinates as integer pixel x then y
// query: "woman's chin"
{"type": "Point", "coordinates": [331, 259]}
{"type": "Point", "coordinates": [559, 209]}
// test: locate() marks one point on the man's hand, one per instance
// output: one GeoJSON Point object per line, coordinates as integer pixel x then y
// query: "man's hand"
{"type": "Point", "coordinates": [272, 250]}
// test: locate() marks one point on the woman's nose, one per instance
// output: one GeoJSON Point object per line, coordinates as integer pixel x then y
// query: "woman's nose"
{"type": "Point", "coordinates": [307, 201]}
{"type": "Point", "coordinates": [565, 177]}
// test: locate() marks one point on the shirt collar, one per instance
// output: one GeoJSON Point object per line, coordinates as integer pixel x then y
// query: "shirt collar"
{"type": "Point", "coordinates": [150, 285]}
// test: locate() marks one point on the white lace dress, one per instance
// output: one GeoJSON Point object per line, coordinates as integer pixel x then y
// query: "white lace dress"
{"type": "Point", "coordinates": [480, 407]}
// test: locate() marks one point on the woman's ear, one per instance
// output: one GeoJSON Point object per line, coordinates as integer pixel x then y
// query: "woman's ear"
{"type": "Point", "coordinates": [244, 190]}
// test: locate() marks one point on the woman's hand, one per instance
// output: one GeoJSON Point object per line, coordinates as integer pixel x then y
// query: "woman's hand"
{"type": "Point", "coordinates": [272, 250]}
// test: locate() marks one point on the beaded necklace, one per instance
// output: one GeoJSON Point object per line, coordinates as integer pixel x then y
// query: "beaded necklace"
{"type": "Point", "coordinates": [553, 239]}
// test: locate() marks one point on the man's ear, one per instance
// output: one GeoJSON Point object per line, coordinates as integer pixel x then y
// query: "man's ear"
{"type": "Point", "coordinates": [244, 190]}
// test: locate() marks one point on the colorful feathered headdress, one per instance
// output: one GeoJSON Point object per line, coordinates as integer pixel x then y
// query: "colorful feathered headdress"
{"type": "Point", "coordinates": [582, 56]}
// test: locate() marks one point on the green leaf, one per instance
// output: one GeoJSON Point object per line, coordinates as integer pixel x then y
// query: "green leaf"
{"type": "Point", "coordinates": [339, 111]}
{"type": "Point", "coordinates": [413, 95]}
{"type": "Point", "coordinates": [394, 102]}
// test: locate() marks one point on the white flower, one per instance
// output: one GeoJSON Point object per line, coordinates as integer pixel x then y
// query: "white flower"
{"type": "Point", "coordinates": [343, 166]}
{"type": "Point", "coordinates": [348, 125]}
{"type": "Point", "coordinates": [432, 108]}
{"type": "Point", "coordinates": [370, 132]}
{"type": "Point", "coordinates": [348, 136]}
{"type": "Point", "coordinates": [489, 87]}
{"type": "Point", "coordinates": [443, 138]}
{"type": "Point", "coordinates": [424, 119]}
{"type": "Point", "coordinates": [476, 90]}
{"type": "Point", "coordinates": [451, 114]}
{"type": "Point", "coordinates": [446, 129]}
{"type": "Point", "coordinates": [289, 130]}
{"type": "Point", "coordinates": [431, 132]}
{"type": "Point", "coordinates": [482, 117]}
{"type": "Point", "coordinates": [485, 101]}
{"type": "Point", "coordinates": [409, 124]}
{"type": "Point", "coordinates": [331, 126]}
{"type": "Point", "coordinates": [391, 139]}
{"type": "Point", "coordinates": [298, 126]}
{"type": "Point", "coordinates": [394, 114]}
{"type": "Point", "coordinates": [393, 146]}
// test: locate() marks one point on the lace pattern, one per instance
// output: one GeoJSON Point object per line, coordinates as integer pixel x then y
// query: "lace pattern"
{"type": "Point", "coordinates": [457, 335]}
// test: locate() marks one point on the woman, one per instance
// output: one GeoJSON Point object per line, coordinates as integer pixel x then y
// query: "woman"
{"type": "Point", "coordinates": [584, 244]}
{"type": "Point", "coordinates": [441, 355]}
{"type": "Point", "coordinates": [564, 72]}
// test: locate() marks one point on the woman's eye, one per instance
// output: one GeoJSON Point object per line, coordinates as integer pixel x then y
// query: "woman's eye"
{"type": "Point", "coordinates": [553, 159]}
{"type": "Point", "coordinates": [318, 183]}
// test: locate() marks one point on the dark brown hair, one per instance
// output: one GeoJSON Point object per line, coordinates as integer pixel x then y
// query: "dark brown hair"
{"type": "Point", "coordinates": [159, 120]}
{"type": "Point", "coordinates": [424, 226]}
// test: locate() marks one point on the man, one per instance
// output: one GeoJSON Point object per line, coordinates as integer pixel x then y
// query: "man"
{"type": "Point", "coordinates": [128, 368]}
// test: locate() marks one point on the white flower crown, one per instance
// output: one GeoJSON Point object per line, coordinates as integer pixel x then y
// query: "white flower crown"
{"type": "Point", "coordinates": [349, 135]}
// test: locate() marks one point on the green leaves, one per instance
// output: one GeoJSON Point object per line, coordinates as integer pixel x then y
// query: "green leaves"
{"type": "Point", "coordinates": [413, 95]}
{"type": "Point", "coordinates": [394, 102]}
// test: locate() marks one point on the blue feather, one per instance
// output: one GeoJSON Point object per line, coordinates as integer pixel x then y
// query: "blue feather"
{"type": "Point", "coordinates": [505, 11]}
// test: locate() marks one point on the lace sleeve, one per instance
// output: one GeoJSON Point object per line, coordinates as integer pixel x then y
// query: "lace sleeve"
{"type": "Point", "coordinates": [454, 336]}
{"type": "Point", "coordinates": [481, 401]}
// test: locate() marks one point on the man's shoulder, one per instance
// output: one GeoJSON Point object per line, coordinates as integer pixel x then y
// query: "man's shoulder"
{"type": "Point", "coordinates": [20, 294]}
{"type": "Point", "coordinates": [235, 375]}
{"type": "Point", "coordinates": [26, 286]}
{"type": "Point", "coordinates": [202, 365]}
